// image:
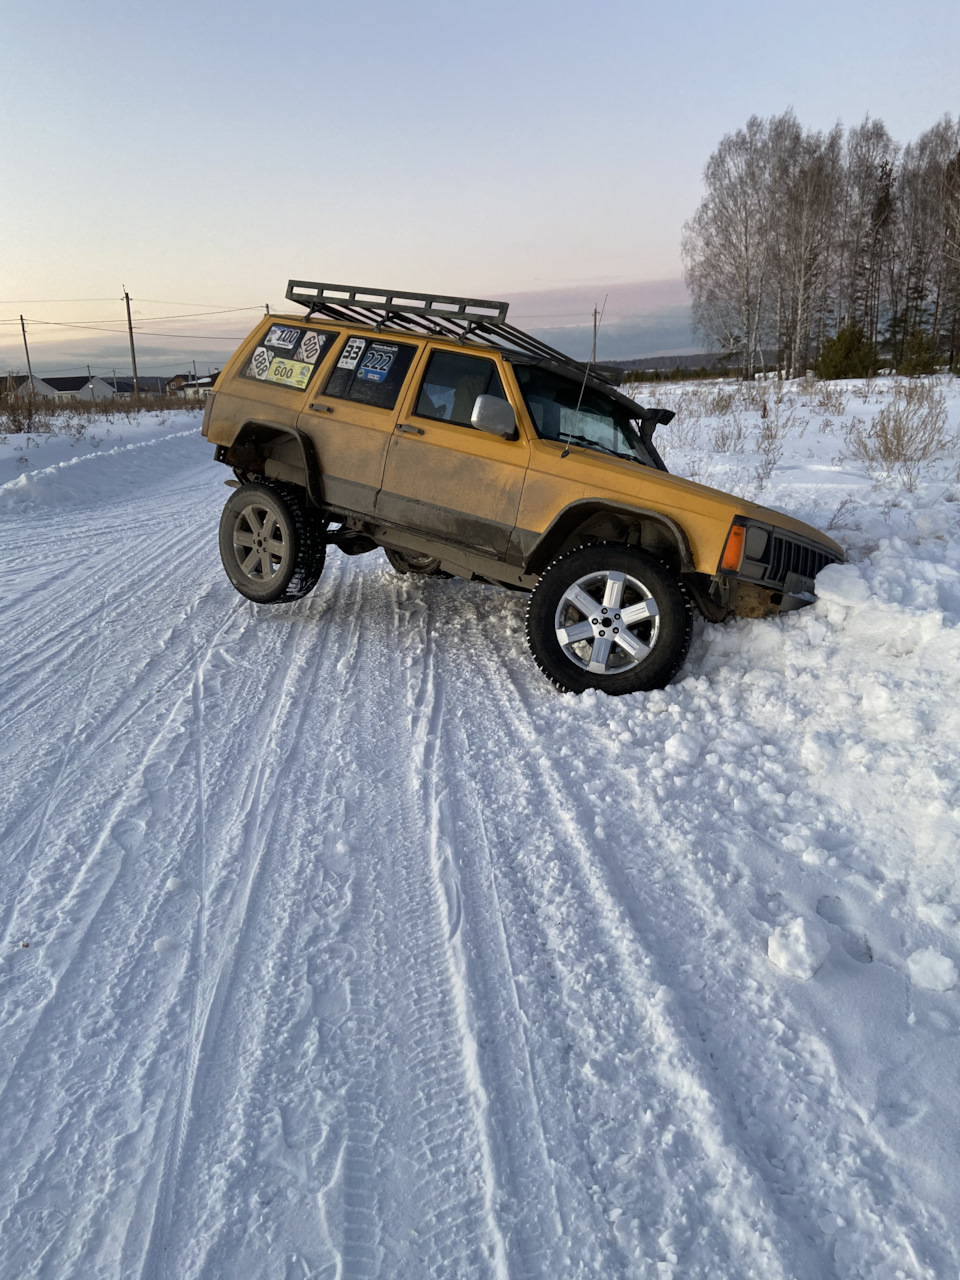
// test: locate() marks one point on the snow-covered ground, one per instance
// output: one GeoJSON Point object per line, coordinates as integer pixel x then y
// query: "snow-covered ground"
{"type": "Point", "coordinates": [337, 944]}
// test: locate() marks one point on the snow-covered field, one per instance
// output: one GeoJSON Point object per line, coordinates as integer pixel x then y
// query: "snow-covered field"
{"type": "Point", "coordinates": [337, 944]}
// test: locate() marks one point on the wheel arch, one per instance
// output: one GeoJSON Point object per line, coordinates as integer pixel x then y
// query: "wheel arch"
{"type": "Point", "coordinates": [258, 441]}
{"type": "Point", "coordinates": [602, 521]}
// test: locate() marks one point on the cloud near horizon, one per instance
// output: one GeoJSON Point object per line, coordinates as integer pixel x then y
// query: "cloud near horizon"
{"type": "Point", "coordinates": [640, 318]}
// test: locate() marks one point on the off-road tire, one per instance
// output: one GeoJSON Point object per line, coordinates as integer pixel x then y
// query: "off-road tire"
{"type": "Point", "coordinates": [640, 650]}
{"type": "Point", "coordinates": [410, 562]}
{"type": "Point", "coordinates": [272, 547]}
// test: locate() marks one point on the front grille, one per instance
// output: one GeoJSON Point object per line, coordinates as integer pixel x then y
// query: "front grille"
{"type": "Point", "coordinates": [788, 556]}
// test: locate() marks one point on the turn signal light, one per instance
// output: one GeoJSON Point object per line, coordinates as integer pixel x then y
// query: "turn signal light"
{"type": "Point", "coordinates": [732, 557]}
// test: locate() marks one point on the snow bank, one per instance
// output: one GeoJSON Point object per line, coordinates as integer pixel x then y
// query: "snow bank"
{"type": "Point", "coordinates": [58, 470]}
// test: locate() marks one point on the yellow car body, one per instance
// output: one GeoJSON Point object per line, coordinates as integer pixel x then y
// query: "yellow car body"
{"type": "Point", "coordinates": [481, 504]}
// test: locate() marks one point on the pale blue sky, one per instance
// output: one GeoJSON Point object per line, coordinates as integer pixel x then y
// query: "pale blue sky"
{"type": "Point", "coordinates": [205, 152]}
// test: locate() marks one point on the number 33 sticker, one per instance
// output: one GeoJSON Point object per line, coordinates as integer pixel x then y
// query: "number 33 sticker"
{"type": "Point", "coordinates": [351, 353]}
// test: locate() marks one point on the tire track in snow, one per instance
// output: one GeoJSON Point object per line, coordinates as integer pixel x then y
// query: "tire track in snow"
{"type": "Point", "coordinates": [262, 948]}
{"type": "Point", "coordinates": [211, 987]}
{"type": "Point", "coordinates": [36, 652]}
{"type": "Point", "coordinates": [666, 1072]}
{"type": "Point", "coordinates": [447, 969]}
{"type": "Point", "coordinates": [699, 894]}
{"type": "Point", "coordinates": [70, 976]}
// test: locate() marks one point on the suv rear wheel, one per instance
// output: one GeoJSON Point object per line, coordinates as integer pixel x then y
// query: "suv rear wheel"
{"type": "Point", "coordinates": [271, 547]}
{"type": "Point", "coordinates": [608, 617]}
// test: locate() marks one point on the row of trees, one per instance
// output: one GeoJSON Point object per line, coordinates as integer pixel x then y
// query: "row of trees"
{"type": "Point", "coordinates": [807, 244]}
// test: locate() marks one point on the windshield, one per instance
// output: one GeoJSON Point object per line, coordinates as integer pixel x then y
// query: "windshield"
{"type": "Point", "coordinates": [599, 423]}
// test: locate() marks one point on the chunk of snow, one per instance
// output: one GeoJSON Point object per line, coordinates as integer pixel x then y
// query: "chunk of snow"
{"type": "Point", "coordinates": [164, 944]}
{"type": "Point", "coordinates": [799, 948]}
{"type": "Point", "coordinates": [682, 748]}
{"type": "Point", "coordinates": [931, 970]}
{"type": "Point", "coordinates": [842, 584]}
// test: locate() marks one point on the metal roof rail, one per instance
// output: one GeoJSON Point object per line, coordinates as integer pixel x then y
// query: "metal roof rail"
{"type": "Point", "coordinates": [468, 320]}
{"type": "Point", "coordinates": [389, 301]}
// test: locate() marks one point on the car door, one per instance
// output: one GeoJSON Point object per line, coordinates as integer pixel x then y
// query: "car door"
{"type": "Point", "coordinates": [442, 475]}
{"type": "Point", "coordinates": [351, 420]}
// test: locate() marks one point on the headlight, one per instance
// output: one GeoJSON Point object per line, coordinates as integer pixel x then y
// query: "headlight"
{"type": "Point", "coordinates": [756, 543]}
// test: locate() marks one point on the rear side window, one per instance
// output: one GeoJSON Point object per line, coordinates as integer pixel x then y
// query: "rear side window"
{"type": "Point", "coordinates": [288, 354]}
{"type": "Point", "coordinates": [370, 371]}
{"type": "Point", "coordinates": [452, 383]}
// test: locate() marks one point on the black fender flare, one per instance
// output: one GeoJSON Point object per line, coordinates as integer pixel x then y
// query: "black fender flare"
{"type": "Point", "coordinates": [254, 435]}
{"type": "Point", "coordinates": [544, 550]}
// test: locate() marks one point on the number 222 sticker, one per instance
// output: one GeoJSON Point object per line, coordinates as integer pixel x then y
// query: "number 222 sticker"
{"type": "Point", "coordinates": [376, 364]}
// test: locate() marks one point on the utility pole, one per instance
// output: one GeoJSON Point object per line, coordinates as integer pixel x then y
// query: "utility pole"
{"type": "Point", "coordinates": [266, 308]}
{"type": "Point", "coordinates": [133, 353]}
{"type": "Point", "coordinates": [593, 357]}
{"type": "Point", "coordinates": [27, 350]}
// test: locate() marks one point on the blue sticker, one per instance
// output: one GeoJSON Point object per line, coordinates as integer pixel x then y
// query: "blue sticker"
{"type": "Point", "coordinates": [376, 363]}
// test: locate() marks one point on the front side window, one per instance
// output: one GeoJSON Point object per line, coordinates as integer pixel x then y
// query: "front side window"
{"type": "Point", "coordinates": [563, 409]}
{"type": "Point", "coordinates": [370, 371]}
{"type": "Point", "coordinates": [451, 385]}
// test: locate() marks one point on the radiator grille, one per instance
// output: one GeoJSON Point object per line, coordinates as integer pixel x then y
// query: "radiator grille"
{"type": "Point", "coordinates": [788, 556]}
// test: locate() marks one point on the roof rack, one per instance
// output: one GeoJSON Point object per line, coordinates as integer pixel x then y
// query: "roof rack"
{"type": "Point", "coordinates": [470, 320]}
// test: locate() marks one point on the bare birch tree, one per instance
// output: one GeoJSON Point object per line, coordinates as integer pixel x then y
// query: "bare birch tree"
{"type": "Point", "coordinates": [801, 234]}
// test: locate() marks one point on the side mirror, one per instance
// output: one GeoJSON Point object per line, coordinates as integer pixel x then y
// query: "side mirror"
{"type": "Point", "coordinates": [492, 414]}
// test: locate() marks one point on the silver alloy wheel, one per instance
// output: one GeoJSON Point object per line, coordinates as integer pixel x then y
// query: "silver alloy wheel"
{"type": "Point", "coordinates": [607, 622]}
{"type": "Point", "coordinates": [258, 543]}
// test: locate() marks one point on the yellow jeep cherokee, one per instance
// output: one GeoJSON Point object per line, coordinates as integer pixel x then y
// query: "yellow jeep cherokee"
{"type": "Point", "coordinates": [430, 427]}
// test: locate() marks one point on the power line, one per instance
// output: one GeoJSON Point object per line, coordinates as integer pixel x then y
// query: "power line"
{"type": "Point", "coordinates": [200, 337]}
{"type": "Point", "coordinates": [160, 302]}
{"type": "Point", "coordinates": [98, 324]}
{"type": "Point", "coordinates": [36, 302]}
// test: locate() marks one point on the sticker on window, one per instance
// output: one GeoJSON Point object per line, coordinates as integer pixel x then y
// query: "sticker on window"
{"type": "Point", "coordinates": [268, 364]}
{"type": "Point", "coordinates": [351, 353]}
{"type": "Point", "coordinates": [377, 362]}
{"type": "Point", "coordinates": [289, 373]}
{"type": "Point", "coordinates": [282, 338]}
{"type": "Point", "coordinates": [260, 363]}
{"type": "Point", "coordinates": [311, 347]}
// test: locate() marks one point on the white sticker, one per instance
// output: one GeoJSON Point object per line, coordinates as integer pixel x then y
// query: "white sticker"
{"type": "Point", "coordinates": [310, 347]}
{"type": "Point", "coordinates": [282, 337]}
{"type": "Point", "coordinates": [260, 363]}
{"type": "Point", "coordinates": [351, 353]}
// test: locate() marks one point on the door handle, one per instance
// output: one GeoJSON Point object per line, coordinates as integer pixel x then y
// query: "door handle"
{"type": "Point", "coordinates": [322, 408]}
{"type": "Point", "coordinates": [409, 430]}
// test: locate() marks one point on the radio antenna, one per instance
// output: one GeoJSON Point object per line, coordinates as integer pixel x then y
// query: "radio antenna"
{"type": "Point", "coordinates": [586, 373]}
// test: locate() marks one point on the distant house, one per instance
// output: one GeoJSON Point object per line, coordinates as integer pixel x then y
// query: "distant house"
{"type": "Point", "coordinates": [149, 385]}
{"type": "Point", "coordinates": [191, 387]}
{"type": "Point", "coordinates": [50, 388]}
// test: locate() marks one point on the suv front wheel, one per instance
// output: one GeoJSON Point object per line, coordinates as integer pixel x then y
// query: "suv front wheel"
{"type": "Point", "coordinates": [608, 617]}
{"type": "Point", "coordinates": [272, 548]}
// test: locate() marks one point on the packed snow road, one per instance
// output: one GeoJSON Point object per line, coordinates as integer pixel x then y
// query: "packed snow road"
{"type": "Point", "coordinates": [337, 944]}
